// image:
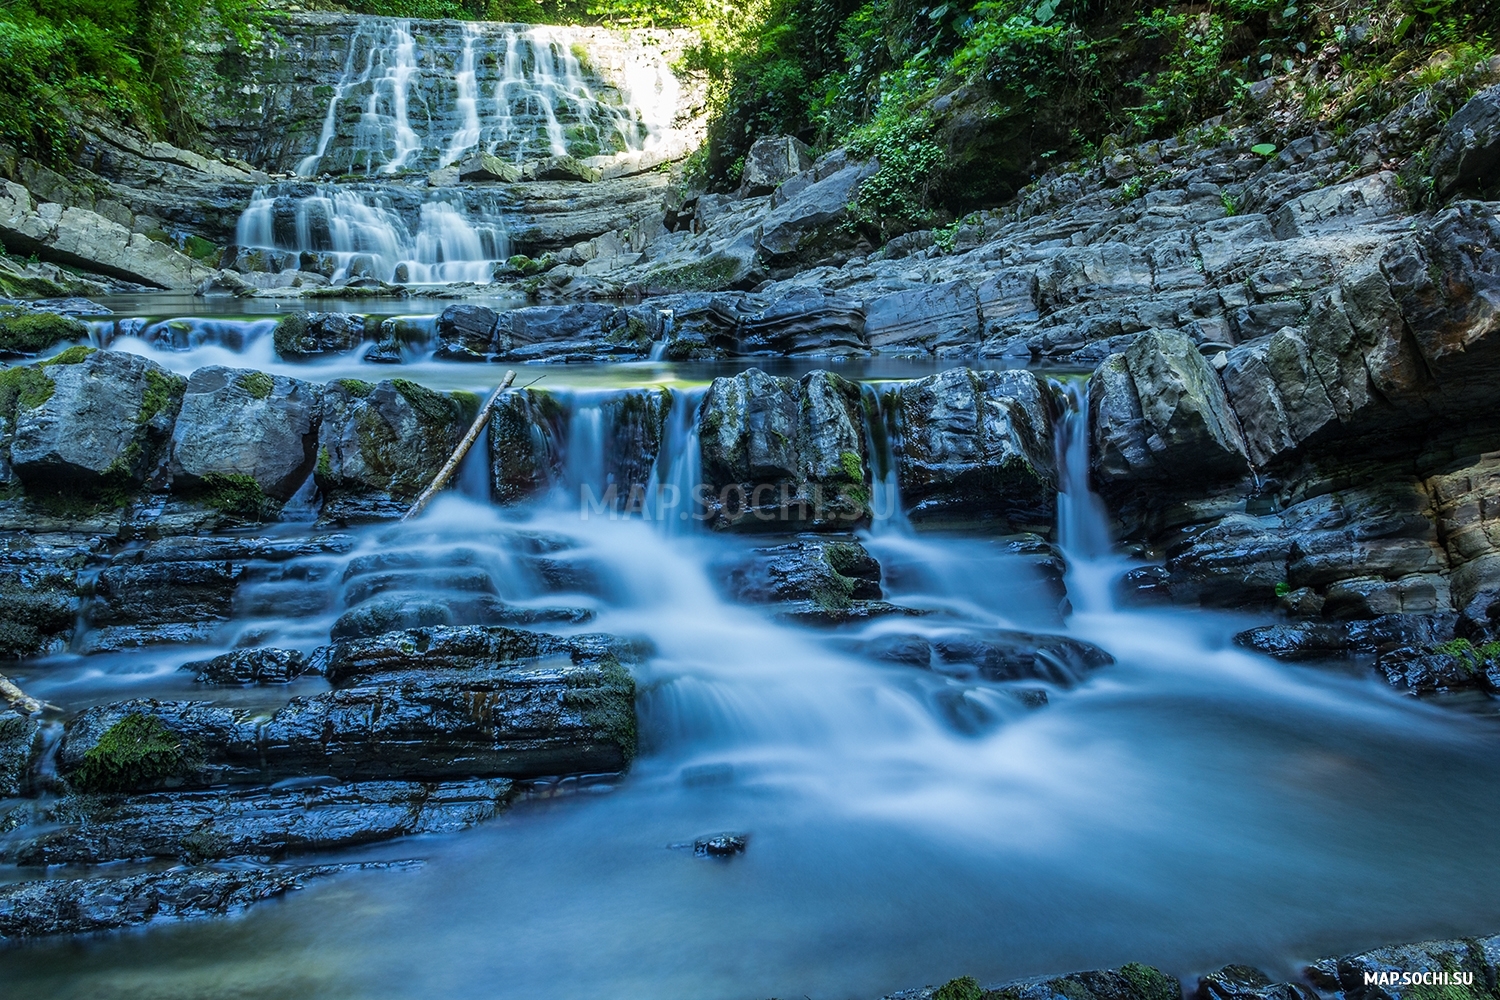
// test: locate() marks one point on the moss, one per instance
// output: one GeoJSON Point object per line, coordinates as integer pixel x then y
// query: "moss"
{"type": "Point", "coordinates": [29, 616]}
{"type": "Point", "coordinates": [287, 338]}
{"type": "Point", "coordinates": [713, 273]}
{"type": "Point", "coordinates": [325, 464]}
{"type": "Point", "coordinates": [237, 494]}
{"type": "Point", "coordinates": [32, 333]}
{"type": "Point", "coordinates": [1147, 983]}
{"type": "Point", "coordinates": [198, 248]}
{"type": "Point", "coordinates": [432, 407]}
{"type": "Point", "coordinates": [607, 701]}
{"type": "Point", "coordinates": [852, 466]}
{"type": "Point", "coordinates": [163, 393]}
{"type": "Point", "coordinates": [963, 988]}
{"type": "Point", "coordinates": [357, 388]}
{"type": "Point", "coordinates": [24, 388]}
{"type": "Point", "coordinates": [137, 751]}
{"type": "Point", "coordinates": [1467, 656]}
{"type": "Point", "coordinates": [468, 404]}
{"type": "Point", "coordinates": [258, 384]}
{"type": "Point", "coordinates": [72, 356]}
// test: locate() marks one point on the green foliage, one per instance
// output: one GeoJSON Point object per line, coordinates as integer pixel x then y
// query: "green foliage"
{"type": "Point", "coordinates": [963, 988]}
{"type": "Point", "coordinates": [1147, 983]}
{"type": "Point", "coordinates": [852, 466]}
{"type": "Point", "coordinates": [1283, 588]}
{"type": "Point", "coordinates": [135, 752]}
{"type": "Point", "coordinates": [258, 384]}
{"type": "Point", "coordinates": [24, 333]}
{"type": "Point", "coordinates": [238, 495]}
{"type": "Point", "coordinates": [899, 195]}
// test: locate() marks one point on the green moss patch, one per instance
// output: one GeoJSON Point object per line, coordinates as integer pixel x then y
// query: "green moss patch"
{"type": "Point", "coordinates": [72, 356]}
{"type": "Point", "coordinates": [355, 387]}
{"type": "Point", "coordinates": [23, 389]}
{"type": "Point", "coordinates": [239, 495]}
{"type": "Point", "coordinates": [258, 384]}
{"type": "Point", "coordinates": [137, 751]}
{"type": "Point", "coordinates": [31, 333]}
{"type": "Point", "coordinates": [163, 393]}
{"type": "Point", "coordinates": [432, 407]}
{"type": "Point", "coordinates": [962, 988]}
{"type": "Point", "coordinates": [607, 701]}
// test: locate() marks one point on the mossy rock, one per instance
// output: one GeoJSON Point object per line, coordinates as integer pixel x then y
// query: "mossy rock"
{"type": "Point", "coordinates": [138, 751]}
{"type": "Point", "coordinates": [258, 384]}
{"type": "Point", "coordinates": [24, 388]}
{"type": "Point", "coordinates": [237, 495]}
{"type": "Point", "coordinates": [606, 699]}
{"type": "Point", "coordinates": [27, 334]}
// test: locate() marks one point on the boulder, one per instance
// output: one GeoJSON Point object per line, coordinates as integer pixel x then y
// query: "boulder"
{"type": "Point", "coordinates": [561, 168]}
{"type": "Point", "coordinates": [425, 704]}
{"type": "Point", "coordinates": [18, 747]}
{"type": "Point", "coordinates": [465, 332]}
{"type": "Point", "coordinates": [770, 160]}
{"type": "Point", "coordinates": [193, 827]}
{"type": "Point", "coordinates": [810, 226]}
{"type": "Point", "coordinates": [243, 667]}
{"type": "Point", "coordinates": [779, 453]}
{"type": "Point", "coordinates": [381, 445]}
{"type": "Point", "coordinates": [80, 238]}
{"type": "Point", "coordinates": [246, 430]}
{"type": "Point", "coordinates": [305, 336]}
{"type": "Point", "coordinates": [1467, 156]}
{"type": "Point", "coordinates": [485, 167]}
{"type": "Point", "coordinates": [941, 320]}
{"type": "Point", "coordinates": [91, 420]}
{"type": "Point", "coordinates": [977, 446]}
{"type": "Point", "coordinates": [1159, 415]}
{"type": "Point", "coordinates": [831, 572]}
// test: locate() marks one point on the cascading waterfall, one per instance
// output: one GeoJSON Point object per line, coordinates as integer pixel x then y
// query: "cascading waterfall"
{"type": "Point", "coordinates": [517, 92]}
{"type": "Point", "coordinates": [345, 232]}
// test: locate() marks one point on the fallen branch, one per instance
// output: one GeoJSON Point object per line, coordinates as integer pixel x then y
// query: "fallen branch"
{"type": "Point", "coordinates": [446, 472]}
{"type": "Point", "coordinates": [17, 698]}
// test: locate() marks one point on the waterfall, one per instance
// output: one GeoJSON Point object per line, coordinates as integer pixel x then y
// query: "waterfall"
{"type": "Point", "coordinates": [417, 113]}
{"type": "Point", "coordinates": [1083, 533]}
{"type": "Point", "coordinates": [345, 232]}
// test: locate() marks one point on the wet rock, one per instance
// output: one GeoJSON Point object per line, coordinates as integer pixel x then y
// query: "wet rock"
{"type": "Point", "coordinates": [977, 446]}
{"type": "Point", "coordinates": [465, 332]}
{"type": "Point", "coordinates": [831, 573]}
{"type": "Point", "coordinates": [266, 823]}
{"type": "Point", "coordinates": [992, 655]}
{"type": "Point", "coordinates": [381, 445]}
{"type": "Point", "coordinates": [941, 320]}
{"type": "Point", "coordinates": [391, 614]}
{"type": "Point", "coordinates": [18, 747]}
{"type": "Point", "coordinates": [1467, 157]}
{"type": "Point", "coordinates": [781, 454]}
{"type": "Point", "coordinates": [1376, 974]}
{"type": "Point", "coordinates": [830, 615]}
{"type": "Point", "coordinates": [1242, 982]}
{"type": "Point", "coordinates": [141, 589]}
{"type": "Point", "coordinates": [527, 433]}
{"type": "Point", "coordinates": [306, 336]}
{"type": "Point", "coordinates": [561, 168]}
{"type": "Point", "coordinates": [92, 420]}
{"type": "Point", "coordinates": [721, 845]}
{"type": "Point", "coordinates": [249, 666]}
{"type": "Point", "coordinates": [79, 906]}
{"type": "Point", "coordinates": [552, 332]}
{"type": "Point", "coordinates": [1129, 982]}
{"type": "Point", "coordinates": [1325, 639]}
{"type": "Point", "coordinates": [243, 432]}
{"type": "Point", "coordinates": [770, 160]}
{"type": "Point", "coordinates": [484, 167]}
{"type": "Point", "coordinates": [426, 704]}
{"type": "Point", "coordinates": [38, 595]}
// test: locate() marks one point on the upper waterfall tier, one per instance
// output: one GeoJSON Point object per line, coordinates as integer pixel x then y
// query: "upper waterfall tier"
{"type": "Point", "coordinates": [346, 94]}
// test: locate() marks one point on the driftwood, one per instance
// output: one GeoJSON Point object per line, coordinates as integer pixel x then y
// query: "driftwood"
{"type": "Point", "coordinates": [451, 466]}
{"type": "Point", "coordinates": [17, 698]}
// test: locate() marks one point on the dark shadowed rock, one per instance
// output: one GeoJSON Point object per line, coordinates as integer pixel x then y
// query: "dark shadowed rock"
{"type": "Point", "coordinates": [306, 336]}
{"type": "Point", "coordinates": [829, 572]}
{"type": "Point", "coordinates": [527, 433]}
{"type": "Point", "coordinates": [1467, 157]}
{"type": "Point", "coordinates": [18, 747]}
{"type": "Point", "coordinates": [249, 666]}
{"type": "Point", "coordinates": [977, 446]}
{"type": "Point", "coordinates": [1242, 982]}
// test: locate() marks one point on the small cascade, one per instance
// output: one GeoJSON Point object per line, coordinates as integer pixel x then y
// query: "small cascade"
{"type": "Point", "coordinates": [882, 443]}
{"type": "Point", "coordinates": [516, 92]}
{"type": "Point", "coordinates": [678, 469]}
{"type": "Point", "coordinates": [1082, 522]}
{"type": "Point", "coordinates": [389, 234]}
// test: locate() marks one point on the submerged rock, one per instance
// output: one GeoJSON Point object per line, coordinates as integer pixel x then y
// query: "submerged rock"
{"type": "Point", "coordinates": [721, 845]}
{"type": "Point", "coordinates": [993, 655]}
{"type": "Point", "coordinates": [265, 823]}
{"type": "Point", "coordinates": [80, 906]}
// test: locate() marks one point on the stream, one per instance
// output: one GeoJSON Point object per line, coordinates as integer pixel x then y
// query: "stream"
{"type": "Point", "coordinates": [1191, 805]}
